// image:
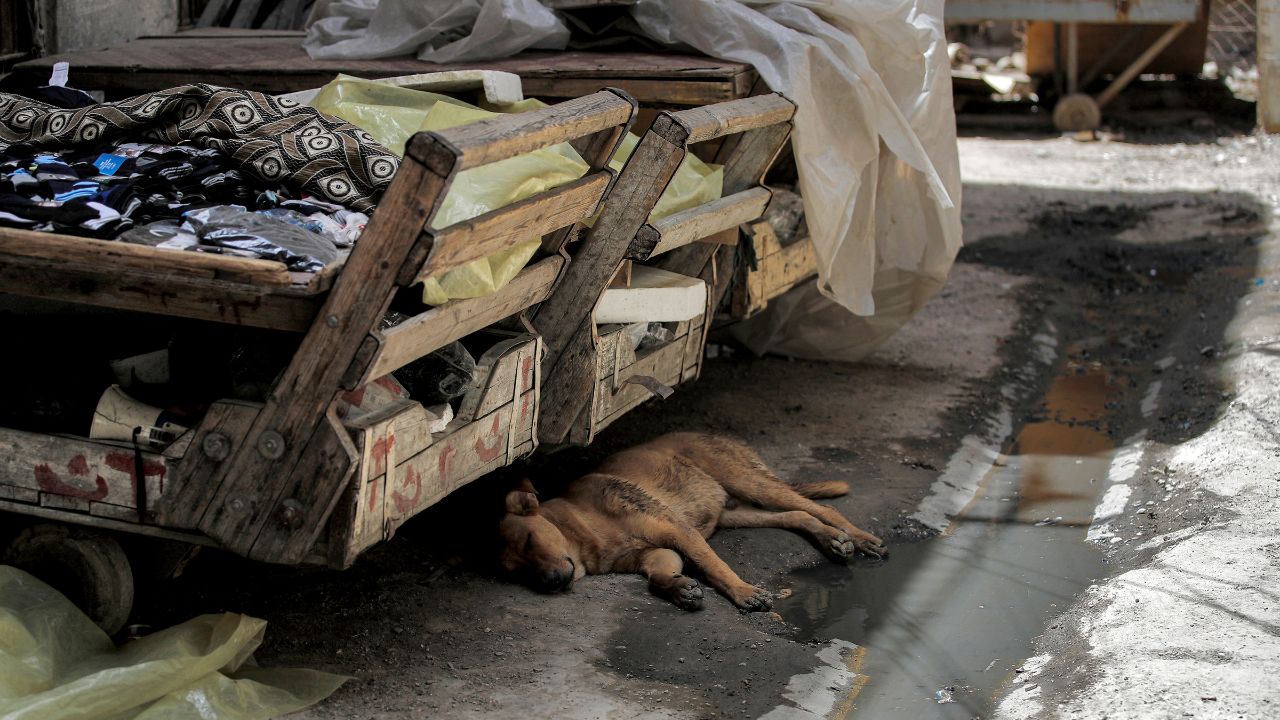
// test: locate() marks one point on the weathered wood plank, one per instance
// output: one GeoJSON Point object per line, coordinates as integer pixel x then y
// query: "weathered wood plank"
{"type": "Point", "coordinates": [528, 219]}
{"type": "Point", "coordinates": [565, 319]}
{"type": "Point", "coordinates": [220, 433]}
{"type": "Point", "coordinates": [189, 297]}
{"type": "Point", "coordinates": [102, 253]}
{"type": "Point", "coordinates": [311, 493]}
{"type": "Point", "coordinates": [78, 469]}
{"type": "Point", "coordinates": [735, 116]}
{"type": "Point", "coordinates": [696, 223]}
{"type": "Point", "coordinates": [440, 326]}
{"type": "Point", "coordinates": [505, 136]}
{"type": "Point", "coordinates": [753, 155]}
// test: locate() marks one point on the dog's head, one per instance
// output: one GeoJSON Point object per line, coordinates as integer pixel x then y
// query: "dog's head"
{"type": "Point", "coordinates": [533, 548]}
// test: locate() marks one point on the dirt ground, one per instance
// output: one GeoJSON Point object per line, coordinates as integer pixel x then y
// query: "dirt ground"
{"type": "Point", "coordinates": [1131, 256]}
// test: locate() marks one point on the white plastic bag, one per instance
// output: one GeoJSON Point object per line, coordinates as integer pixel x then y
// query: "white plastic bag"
{"type": "Point", "coordinates": [437, 30]}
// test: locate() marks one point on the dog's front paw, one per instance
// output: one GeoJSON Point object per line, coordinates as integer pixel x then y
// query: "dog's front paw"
{"type": "Point", "coordinates": [839, 547]}
{"type": "Point", "coordinates": [686, 593]}
{"type": "Point", "coordinates": [752, 599]}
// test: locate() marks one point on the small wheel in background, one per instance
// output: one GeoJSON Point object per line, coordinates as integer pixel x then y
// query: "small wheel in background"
{"type": "Point", "coordinates": [1077, 112]}
{"type": "Point", "coordinates": [87, 566]}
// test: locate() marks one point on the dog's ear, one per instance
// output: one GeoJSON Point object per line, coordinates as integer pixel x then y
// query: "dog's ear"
{"type": "Point", "coordinates": [523, 500]}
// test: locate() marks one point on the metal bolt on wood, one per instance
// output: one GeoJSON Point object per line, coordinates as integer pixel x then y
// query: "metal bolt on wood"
{"type": "Point", "coordinates": [290, 513]}
{"type": "Point", "coordinates": [271, 445]}
{"type": "Point", "coordinates": [216, 446]}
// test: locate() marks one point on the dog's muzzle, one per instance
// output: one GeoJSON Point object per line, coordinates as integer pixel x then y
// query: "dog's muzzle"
{"type": "Point", "coordinates": [554, 580]}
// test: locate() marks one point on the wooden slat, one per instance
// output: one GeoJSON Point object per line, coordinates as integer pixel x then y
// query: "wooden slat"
{"type": "Point", "coordinates": [702, 221]}
{"type": "Point", "coordinates": [76, 468]}
{"type": "Point", "coordinates": [106, 253]}
{"type": "Point", "coordinates": [713, 121]}
{"type": "Point", "coordinates": [528, 219]}
{"type": "Point", "coordinates": [565, 319]}
{"type": "Point", "coordinates": [440, 326]}
{"type": "Point", "coordinates": [505, 136]}
{"type": "Point", "coordinates": [135, 289]}
{"type": "Point", "coordinates": [314, 487]}
{"type": "Point", "coordinates": [753, 155]}
{"type": "Point", "coordinates": [184, 503]}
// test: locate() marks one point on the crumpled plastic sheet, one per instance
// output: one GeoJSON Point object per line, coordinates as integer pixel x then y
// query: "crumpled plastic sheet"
{"type": "Point", "coordinates": [874, 141]}
{"type": "Point", "coordinates": [439, 31]}
{"type": "Point", "coordinates": [55, 663]}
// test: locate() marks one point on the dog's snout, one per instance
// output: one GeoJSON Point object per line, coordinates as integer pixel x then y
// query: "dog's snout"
{"type": "Point", "coordinates": [555, 579]}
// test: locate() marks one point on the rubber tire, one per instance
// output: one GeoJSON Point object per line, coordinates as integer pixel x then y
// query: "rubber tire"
{"type": "Point", "coordinates": [87, 566]}
{"type": "Point", "coordinates": [1076, 113]}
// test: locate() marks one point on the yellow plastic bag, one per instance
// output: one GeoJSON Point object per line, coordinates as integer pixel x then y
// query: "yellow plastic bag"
{"type": "Point", "coordinates": [390, 114]}
{"type": "Point", "coordinates": [56, 663]}
{"type": "Point", "coordinates": [695, 182]}
{"type": "Point", "coordinates": [474, 191]}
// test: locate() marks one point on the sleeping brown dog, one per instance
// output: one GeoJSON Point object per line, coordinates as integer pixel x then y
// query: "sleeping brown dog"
{"type": "Point", "coordinates": [647, 508]}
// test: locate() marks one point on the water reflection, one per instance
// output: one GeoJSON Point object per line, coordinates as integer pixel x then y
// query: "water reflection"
{"type": "Point", "coordinates": [961, 610]}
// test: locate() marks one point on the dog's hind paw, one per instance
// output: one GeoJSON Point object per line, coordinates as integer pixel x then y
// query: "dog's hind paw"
{"type": "Point", "coordinates": [753, 599]}
{"type": "Point", "coordinates": [686, 594]}
{"type": "Point", "coordinates": [872, 546]}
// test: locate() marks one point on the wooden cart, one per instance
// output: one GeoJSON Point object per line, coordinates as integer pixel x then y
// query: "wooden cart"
{"type": "Point", "coordinates": [285, 481]}
{"type": "Point", "coordinates": [591, 380]}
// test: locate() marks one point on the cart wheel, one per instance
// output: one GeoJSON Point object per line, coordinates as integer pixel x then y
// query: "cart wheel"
{"type": "Point", "coordinates": [1077, 112]}
{"type": "Point", "coordinates": [89, 567]}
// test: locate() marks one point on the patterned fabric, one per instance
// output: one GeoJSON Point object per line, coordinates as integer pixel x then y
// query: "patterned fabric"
{"type": "Point", "coordinates": [273, 140]}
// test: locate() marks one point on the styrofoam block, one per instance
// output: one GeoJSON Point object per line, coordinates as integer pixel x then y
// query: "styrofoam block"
{"type": "Point", "coordinates": [655, 295]}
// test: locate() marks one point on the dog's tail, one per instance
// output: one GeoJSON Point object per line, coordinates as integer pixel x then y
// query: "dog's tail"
{"type": "Point", "coordinates": [824, 489]}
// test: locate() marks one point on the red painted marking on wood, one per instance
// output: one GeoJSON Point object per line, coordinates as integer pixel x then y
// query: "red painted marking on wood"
{"type": "Point", "coordinates": [526, 369]}
{"type": "Point", "coordinates": [353, 398]}
{"type": "Point", "coordinates": [78, 465]}
{"type": "Point", "coordinates": [489, 453]}
{"type": "Point", "coordinates": [405, 504]}
{"type": "Point", "coordinates": [524, 408]}
{"type": "Point", "coordinates": [49, 482]}
{"type": "Point", "coordinates": [378, 453]}
{"type": "Point", "coordinates": [124, 462]}
{"type": "Point", "coordinates": [390, 384]}
{"type": "Point", "coordinates": [373, 494]}
{"type": "Point", "coordinates": [444, 461]}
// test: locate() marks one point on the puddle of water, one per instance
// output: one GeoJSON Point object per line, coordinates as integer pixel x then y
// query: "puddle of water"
{"type": "Point", "coordinates": [962, 609]}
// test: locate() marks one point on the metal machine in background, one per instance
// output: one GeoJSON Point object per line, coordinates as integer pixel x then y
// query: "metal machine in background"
{"type": "Point", "coordinates": [1117, 37]}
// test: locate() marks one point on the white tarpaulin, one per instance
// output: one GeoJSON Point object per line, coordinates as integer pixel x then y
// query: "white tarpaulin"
{"type": "Point", "coordinates": [874, 135]}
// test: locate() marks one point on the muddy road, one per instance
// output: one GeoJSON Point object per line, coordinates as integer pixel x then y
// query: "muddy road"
{"type": "Point", "coordinates": [1016, 445]}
